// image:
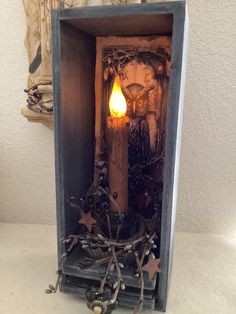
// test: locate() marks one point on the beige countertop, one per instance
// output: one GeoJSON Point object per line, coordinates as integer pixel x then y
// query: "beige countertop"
{"type": "Point", "coordinates": [203, 280]}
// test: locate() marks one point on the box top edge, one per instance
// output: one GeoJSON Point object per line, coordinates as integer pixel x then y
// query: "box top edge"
{"type": "Point", "coordinates": [173, 7]}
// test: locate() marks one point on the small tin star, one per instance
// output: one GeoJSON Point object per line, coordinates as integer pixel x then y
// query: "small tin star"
{"type": "Point", "coordinates": [87, 220]}
{"type": "Point", "coordinates": [152, 267]}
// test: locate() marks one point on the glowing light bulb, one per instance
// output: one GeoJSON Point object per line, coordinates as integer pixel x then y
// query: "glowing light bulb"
{"type": "Point", "coordinates": [117, 102]}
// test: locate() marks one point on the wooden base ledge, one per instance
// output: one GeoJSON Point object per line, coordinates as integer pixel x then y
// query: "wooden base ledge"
{"type": "Point", "coordinates": [46, 119]}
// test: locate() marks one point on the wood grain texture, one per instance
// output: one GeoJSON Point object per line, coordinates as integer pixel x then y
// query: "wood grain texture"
{"type": "Point", "coordinates": [38, 46]}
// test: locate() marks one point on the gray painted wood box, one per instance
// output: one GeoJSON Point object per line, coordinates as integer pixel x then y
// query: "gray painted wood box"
{"type": "Point", "coordinates": [74, 55]}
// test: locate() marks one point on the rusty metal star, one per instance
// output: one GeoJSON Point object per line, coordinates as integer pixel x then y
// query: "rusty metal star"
{"type": "Point", "coordinates": [152, 267]}
{"type": "Point", "coordinates": [88, 221]}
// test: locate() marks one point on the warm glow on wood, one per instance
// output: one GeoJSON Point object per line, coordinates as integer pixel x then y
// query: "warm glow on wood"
{"type": "Point", "coordinates": [117, 102]}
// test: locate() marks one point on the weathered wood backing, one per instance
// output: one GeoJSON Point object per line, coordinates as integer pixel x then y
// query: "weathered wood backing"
{"type": "Point", "coordinates": [114, 41]}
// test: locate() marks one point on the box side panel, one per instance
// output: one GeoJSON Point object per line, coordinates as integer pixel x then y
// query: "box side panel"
{"type": "Point", "coordinates": [74, 122]}
{"type": "Point", "coordinates": [178, 143]}
{"type": "Point", "coordinates": [56, 43]}
{"type": "Point", "coordinates": [172, 151]}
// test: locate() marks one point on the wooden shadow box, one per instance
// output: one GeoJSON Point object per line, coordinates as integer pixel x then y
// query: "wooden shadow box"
{"type": "Point", "coordinates": [80, 36]}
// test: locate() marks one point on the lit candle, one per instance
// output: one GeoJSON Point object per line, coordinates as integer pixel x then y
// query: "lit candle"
{"type": "Point", "coordinates": [118, 128]}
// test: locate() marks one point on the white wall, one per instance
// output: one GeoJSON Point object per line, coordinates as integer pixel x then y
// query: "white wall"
{"type": "Point", "coordinates": [207, 194]}
{"type": "Point", "coordinates": [26, 149]}
{"type": "Point", "coordinates": [207, 198]}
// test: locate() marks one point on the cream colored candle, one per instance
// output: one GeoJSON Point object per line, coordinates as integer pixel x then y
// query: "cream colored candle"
{"type": "Point", "coordinates": [118, 129]}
